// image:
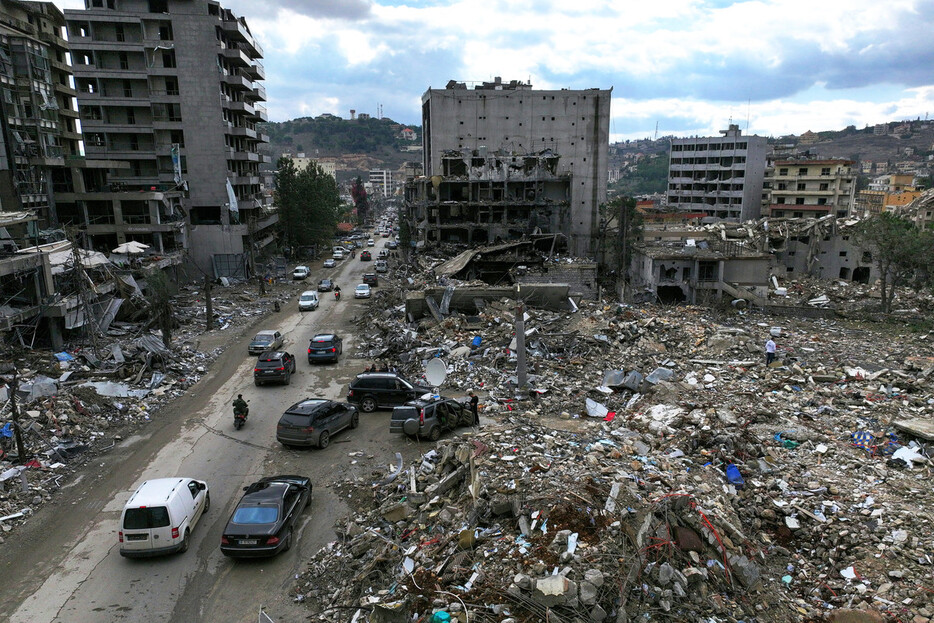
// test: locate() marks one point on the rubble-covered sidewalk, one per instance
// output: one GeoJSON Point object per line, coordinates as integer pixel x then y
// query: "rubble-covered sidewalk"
{"type": "Point", "coordinates": [655, 470]}
{"type": "Point", "coordinates": [83, 400]}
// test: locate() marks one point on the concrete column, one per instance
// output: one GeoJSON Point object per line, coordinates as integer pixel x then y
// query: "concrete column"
{"type": "Point", "coordinates": [55, 333]}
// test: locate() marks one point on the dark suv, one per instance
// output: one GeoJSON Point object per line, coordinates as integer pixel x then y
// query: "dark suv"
{"type": "Point", "coordinates": [371, 279]}
{"type": "Point", "coordinates": [429, 418]}
{"type": "Point", "coordinates": [274, 365]}
{"type": "Point", "coordinates": [312, 422]}
{"type": "Point", "coordinates": [373, 390]}
{"type": "Point", "coordinates": [325, 347]}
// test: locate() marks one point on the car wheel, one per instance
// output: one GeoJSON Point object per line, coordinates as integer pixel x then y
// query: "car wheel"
{"type": "Point", "coordinates": [288, 378]}
{"type": "Point", "coordinates": [368, 404]}
{"type": "Point", "coordinates": [186, 541]}
{"type": "Point", "coordinates": [435, 433]}
{"type": "Point", "coordinates": [288, 541]}
{"type": "Point", "coordinates": [207, 502]}
{"type": "Point", "coordinates": [257, 383]}
{"type": "Point", "coordinates": [324, 440]}
{"type": "Point", "coordinates": [355, 420]}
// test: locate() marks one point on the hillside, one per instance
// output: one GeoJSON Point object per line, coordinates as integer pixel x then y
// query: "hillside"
{"type": "Point", "coordinates": [357, 145]}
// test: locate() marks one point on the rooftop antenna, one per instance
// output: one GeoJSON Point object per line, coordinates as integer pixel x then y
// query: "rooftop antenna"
{"type": "Point", "coordinates": [748, 106]}
{"type": "Point", "coordinates": [656, 131]}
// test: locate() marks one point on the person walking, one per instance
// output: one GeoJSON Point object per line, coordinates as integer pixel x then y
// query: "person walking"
{"type": "Point", "coordinates": [769, 351]}
{"type": "Point", "coordinates": [474, 407]}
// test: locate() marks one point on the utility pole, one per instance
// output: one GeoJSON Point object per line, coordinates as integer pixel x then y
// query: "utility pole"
{"type": "Point", "coordinates": [208, 305]}
{"type": "Point", "coordinates": [623, 222]}
{"type": "Point", "coordinates": [522, 373]}
{"type": "Point", "coordinates": [18, 434]}
{"type": "Point", "coordinates": [251, 228]}
{"type": "Point", "coordinates": [81, 283]}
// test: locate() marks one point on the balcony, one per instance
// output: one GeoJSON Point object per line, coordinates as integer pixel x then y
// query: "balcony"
{"type": "Point", "coordinates": [241, 131]}
{"type": "Point", "coordinates": [257, 94]}
{"type": "Point", "coordinates": [241, 107]}
{"type": "Point", "coordinates": [236, 57]}
{"type": "Point", "coordinates": [246, 156]}
{"type": "Point", "coordinates": [244, 180]}
{"type": "Point", "coordinates": [261, 113]}
{"type": "Point", "coordinates": [256, 71]}
{"type": "Point", "coordinates": [239, 82]}
{"type": "Point", "coordinates": [236, 31]}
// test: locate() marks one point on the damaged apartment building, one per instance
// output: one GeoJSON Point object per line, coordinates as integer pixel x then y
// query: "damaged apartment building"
{"type": "Point", "coordinates": [502, 161]}
{"type": "Point", "coordinates": [481, 198]}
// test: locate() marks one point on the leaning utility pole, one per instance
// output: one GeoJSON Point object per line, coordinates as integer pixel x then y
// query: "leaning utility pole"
{"type": "Point", "coordinates": [208, 305]}
{"type": "Point", "coordinates": [81, 283]}
{"type": "Point", "coordinates": [522, 375]}
{"type": "Point", "coordinates": [18, 434]}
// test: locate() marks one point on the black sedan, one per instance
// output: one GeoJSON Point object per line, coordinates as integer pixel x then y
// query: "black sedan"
{"type": "Point", "coordinates": [325, 285]}
{"type": "Point", "coordinates": [265, 518]}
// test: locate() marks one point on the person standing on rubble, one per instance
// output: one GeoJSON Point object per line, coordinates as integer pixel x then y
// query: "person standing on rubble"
{"type": "Point", "coordinates": [769, 351]}
{"type": "Point", "coordinates": [474, 407]}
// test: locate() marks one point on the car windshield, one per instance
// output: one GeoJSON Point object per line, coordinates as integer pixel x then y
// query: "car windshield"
{"type": "Point", "coordinates": [146, 518]}
{"type": "Point", "coordinates": [308, 297]}
{"type": "Point", "coordinates": [263, 339]}
{"type": "Point", "coordinates": [256, 514]}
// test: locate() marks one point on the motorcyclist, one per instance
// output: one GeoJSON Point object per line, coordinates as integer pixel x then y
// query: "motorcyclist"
{"type": "Point", "coordinates": [337, 292]}
{"type": "Point", "coordinates": [240, 407]}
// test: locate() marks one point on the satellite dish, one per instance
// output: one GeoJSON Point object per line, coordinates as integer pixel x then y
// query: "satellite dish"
{"type": "Point", "coordinates": [435, 372]}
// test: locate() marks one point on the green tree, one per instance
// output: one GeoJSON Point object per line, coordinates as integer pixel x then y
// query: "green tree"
{"type": "Point", "coordinates": [405, 237]}
{"type": "Point", "coordinates": [161, 311]}
{"type": "Point", "coordinates": [620, 228]}
{"type": "Point", "coordinates": [900, 250]}
{"type": "Point", "coordinates": [309, 204]}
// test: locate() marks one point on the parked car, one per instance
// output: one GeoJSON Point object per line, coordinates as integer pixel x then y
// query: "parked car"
{"type": "Point", "coordinates": [386, 233]}
{"type": "Point", "coordinates": [159, 517]}
{"type": "Point", "coordinates": [263, 522]}
{"type": "Point", "coordinates": [265, 340]}
{"type": "Point", "coordinates": [392, 244]}
{"type": "Point", "coordinates": [329, 263]}
{"type": "Point", "coordinates": [325, 285]}
{"type": "Point", "coordinates": [274, 365]}
{"type": "Point", "coordinates": [370, 242]}
{"type": "Point", "coordinates": [371, 279]}
{"type": "Point", "coordinates": [374, 390]}
{"type": "Point", "coordinates": [362, 291]}
{"type": "Point", "coordinates": [313, 421]}
{"type": "Point", "coordinates": [325, 347]}
{"type": "Point", "coordinates": [429, 418]}
{"type": "Point", "coordinates": [301, 273]}
{"type": "Point", "coordinates": [365, 256]}
{"type": "Point", "coordinates": [338, 255]}
{"type": "Point", "coordinates": [382, 266]}
{"type": "Point", "coordinates": [382, 255]}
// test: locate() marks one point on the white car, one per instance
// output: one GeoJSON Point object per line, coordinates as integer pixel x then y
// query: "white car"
{"type": "Point", "coordinates": [370, 242]}
{"type": "Point", "coordinates": [329, 263]}
{"type": "Point", "coordinates": [301, 273]}
{"type": "Point", "coordinates": [159, 517]}
{"type": "Point", "coordinates": [362, 291]}
{"type": "Point", "coordinates": [308, 300]}
{"type": "Point", "coordinates": [338, 255]}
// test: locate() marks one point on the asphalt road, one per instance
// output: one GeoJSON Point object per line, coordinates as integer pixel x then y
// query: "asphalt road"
{"type": "Point", "coordinates": [65, 566]}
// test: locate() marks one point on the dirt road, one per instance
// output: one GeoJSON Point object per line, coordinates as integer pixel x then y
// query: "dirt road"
{"type": "Point", "coordinates": [65, 564]}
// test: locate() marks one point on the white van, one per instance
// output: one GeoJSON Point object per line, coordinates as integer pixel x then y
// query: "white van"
{"type": "Point", "coordinates": [159, 517]}
{"type": "Point", "coordinates": [308, 300]}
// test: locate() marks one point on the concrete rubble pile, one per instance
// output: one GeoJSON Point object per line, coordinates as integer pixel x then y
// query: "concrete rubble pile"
{"type": "Point", "coordinates": [81, 401]}
{"type": "Point", "coordinates": [655, 468]}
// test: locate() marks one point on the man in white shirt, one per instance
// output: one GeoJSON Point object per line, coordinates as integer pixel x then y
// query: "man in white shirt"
{"type": "Point", "coordinates": [769, 351]}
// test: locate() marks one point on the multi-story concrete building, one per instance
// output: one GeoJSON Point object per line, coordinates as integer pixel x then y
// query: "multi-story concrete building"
{"type": "Point", "coordinates": [511, 124]}
{"type": "Point", "coordinates": [39, 131]}
{"type": "Point", "coordinates": [380, 182]}
{"type": "Point", "coordinates": [174, 87]}
{"type": "Point", "coordinates": [719, 176]}
{"type": "Point", "coordinates": [811, 187]}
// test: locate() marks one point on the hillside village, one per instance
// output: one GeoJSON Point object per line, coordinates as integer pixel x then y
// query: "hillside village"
{"type": "Point", "coordinates": [710, 402]}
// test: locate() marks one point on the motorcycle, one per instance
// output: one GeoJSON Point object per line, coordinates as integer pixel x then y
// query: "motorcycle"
{"type": "Point", "coordinates": [337, 294]}
{"type": "Point", "coordinates": [240, 418]}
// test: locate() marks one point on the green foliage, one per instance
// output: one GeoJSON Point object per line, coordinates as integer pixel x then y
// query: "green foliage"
{"type": "Point", "coordinates": [615, 255]}
{"type": "Point", "coordinates": [901, 251]}
{"type": "Point", "coordinates": [309, 204]}
{"type": "Point", "coordinates": [340, 136]}
{"type": "Point", "coordinates": [649, 175]}
{"type": "Point", "coordinates": [161, 311]}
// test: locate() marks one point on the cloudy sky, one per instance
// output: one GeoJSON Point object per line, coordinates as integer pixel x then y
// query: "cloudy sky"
{"type": "Point", "coordinates": [690, 66]}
